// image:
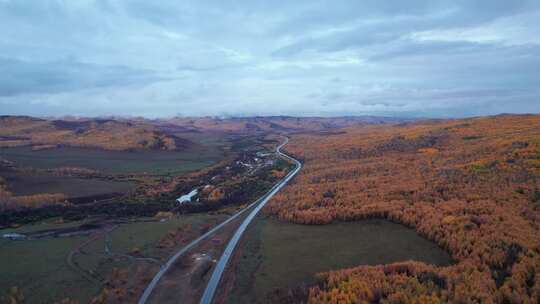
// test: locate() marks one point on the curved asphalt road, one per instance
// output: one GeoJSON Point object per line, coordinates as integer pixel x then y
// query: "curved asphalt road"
{"type": "Point", "coordinates": [216, 275]}
{"type": "Point", "coordinates": [222, 263]}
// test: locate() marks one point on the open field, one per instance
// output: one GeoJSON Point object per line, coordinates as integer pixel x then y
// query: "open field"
{"type": "Point", "coordinates": [27, 184]}
{"type": "Point", "coordinates": [278, 255]}
{"type": "Point", "coordinates": [144, 236]}
{"type": "Point", "coordinates": [40, 268]}
{"type": "Point", "coordinates": [112, 162]}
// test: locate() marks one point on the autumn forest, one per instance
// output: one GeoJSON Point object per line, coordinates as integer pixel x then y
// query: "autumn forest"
{"type": "Point", "coordinates": [470, 185]}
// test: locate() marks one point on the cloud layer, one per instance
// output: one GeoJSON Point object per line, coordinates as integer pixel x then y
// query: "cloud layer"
{"type": "Point", "coordinates": [164, 58]}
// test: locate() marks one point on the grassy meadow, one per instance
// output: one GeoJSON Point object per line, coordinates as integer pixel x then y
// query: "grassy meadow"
{"type": "Point", "coordinates": [279, 255]}
{"type": "Point", "coordinates": [115, 162]}
{"type": "Point", "coordinates": [40, 267]}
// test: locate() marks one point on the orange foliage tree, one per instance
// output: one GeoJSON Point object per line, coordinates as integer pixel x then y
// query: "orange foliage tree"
{"type": "Point", "coordinates": [470, 185]}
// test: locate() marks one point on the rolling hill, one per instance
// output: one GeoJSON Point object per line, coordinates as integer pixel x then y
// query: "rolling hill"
{"type": "Point", "coordinates": [92, 133]}
{"type": "Point", "coordinates": [273, 123]}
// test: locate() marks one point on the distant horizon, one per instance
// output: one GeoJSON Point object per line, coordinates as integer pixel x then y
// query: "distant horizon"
{"type": "Point", "coordinates": [224, 117]}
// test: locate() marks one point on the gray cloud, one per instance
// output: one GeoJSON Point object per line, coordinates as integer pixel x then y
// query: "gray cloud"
{"type": "Point", "coordinates": [22, 77]}
{"type": "Point", "coordinates": [413, 58]}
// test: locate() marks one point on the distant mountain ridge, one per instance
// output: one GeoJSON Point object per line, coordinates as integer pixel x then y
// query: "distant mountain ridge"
{"type": "Point", "coordinates": [93, 133]}
{"type": "Point", "coordinates": [116, 133]}
{"type": "Point", "coordinates": [275, 123]}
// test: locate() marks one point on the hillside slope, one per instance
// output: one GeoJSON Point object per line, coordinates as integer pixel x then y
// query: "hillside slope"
{"type": "Point", "coordinates": [470, 185]}
{"type": "Point", "coordinates": [94, 133]}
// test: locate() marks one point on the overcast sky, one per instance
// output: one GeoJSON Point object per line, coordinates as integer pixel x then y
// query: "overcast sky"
{"type": "Point", "coordinates": [170, 57]}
